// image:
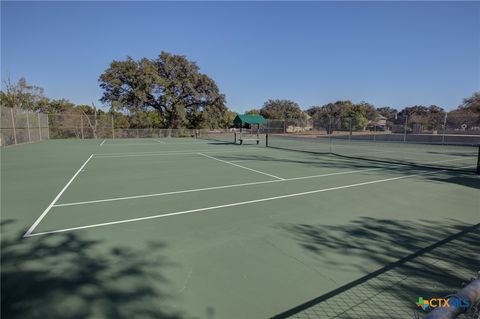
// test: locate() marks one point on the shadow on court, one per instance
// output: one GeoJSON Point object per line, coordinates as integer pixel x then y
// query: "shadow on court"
{"type": "Point", "coordinates": [429, 260]}
{"type": "Point", "coordinates": [449, 175]}
{"type": "Point", "coordinates": [67, 276]}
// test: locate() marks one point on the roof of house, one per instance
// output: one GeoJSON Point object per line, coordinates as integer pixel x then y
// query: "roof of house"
{"type": "Point", "coordinates": [249, 119]}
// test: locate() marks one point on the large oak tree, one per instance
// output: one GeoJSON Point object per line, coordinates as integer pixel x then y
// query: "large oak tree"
{"type": "Point", "coordinates": [170, 84]}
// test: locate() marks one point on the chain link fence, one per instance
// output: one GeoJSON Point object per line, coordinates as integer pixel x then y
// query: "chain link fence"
{"type": "Point", "coordinates": [457, 127]}
{"type": "Point", "coordinates": [75, 125]}
{"type": "Point", "coordinates": [19, 126]}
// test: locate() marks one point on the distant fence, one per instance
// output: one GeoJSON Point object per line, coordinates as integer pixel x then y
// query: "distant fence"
{"type": "Point", "coordinates": [19, 126]}
{"type": "Point", "coordinates": [451, 129]}
{"type": "Point", "coordinates": [106, 125]}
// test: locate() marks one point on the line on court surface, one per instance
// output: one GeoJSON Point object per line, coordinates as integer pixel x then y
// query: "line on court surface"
{"type": "Point", "coordinates": [233, 185]}
{"type": "Point", "coordinates": [161, 142]}
{"type": "Point", "coordinates": [234, 204]}
{"type": "Point", "coordinates": [130, 144]}
{"type": "Point", "coordinates": [134, 154]}
{"type": "Point", "coordinates": [45, 212]}
{"type": "Point", "coordinates": [237, 165]}
{"type": "Point", "coordinates": [102, 142]}
{"type": "Point", "coordinates": [214, 188]}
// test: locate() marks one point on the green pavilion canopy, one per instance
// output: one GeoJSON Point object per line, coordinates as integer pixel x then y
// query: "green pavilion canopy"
{"type": "Point", "coordinates": [241, 120]}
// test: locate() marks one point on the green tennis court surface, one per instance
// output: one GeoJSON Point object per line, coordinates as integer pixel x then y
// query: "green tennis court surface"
{"type": "Point", "coordinates": [185, 228]}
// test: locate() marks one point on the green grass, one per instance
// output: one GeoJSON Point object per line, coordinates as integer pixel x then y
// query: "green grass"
{"type": "Point", "coordinates": [249, 246]}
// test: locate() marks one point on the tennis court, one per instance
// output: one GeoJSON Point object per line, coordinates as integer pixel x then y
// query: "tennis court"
{"type": "Point", "coordinates": [190, 228]}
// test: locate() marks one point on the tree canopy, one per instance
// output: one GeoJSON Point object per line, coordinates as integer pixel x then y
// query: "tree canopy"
{"type": "Point", "coordinates": [282, 110]}
{"type": "Point", "coordinates": [170, 92]}
{"type": "Point", "coordinates": [253, 112]}
{"type": "Point", "coordinates": [343, 115]}
{"type": "Point", "coordinates": [170, 84]}
{"type": "Point", "coordinates": [472, 103]}
{"type": "Point", "coordinates": [21, 94]}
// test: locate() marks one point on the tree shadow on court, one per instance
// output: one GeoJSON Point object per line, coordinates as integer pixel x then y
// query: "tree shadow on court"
{"type": "Point", "coordinates": [67, 276]}
{"type": "Point", "coordinates": [467, 180]}
{"type": "Point", "coordinates": [331, 161]}
{"type": "Point", "coordinates": [310, 160]}
{"type": "Point", "coordinates": [415, 258]}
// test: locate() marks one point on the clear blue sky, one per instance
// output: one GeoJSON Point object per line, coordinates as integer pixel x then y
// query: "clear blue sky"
{"type": "Point", "coordinates": [386, 53]}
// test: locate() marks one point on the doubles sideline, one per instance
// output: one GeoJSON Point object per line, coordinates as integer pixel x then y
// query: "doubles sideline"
{"type": "Point", "coordinates": [45, 212]}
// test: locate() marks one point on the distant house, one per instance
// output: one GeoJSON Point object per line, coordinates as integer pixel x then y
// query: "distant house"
{"type": "Point", "coordinates": [381, 121]}
{"type": "Point", "coordinates": [379, 124]}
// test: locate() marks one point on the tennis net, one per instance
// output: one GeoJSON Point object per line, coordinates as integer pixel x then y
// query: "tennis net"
{"type": "Point", "coordinates": [222, 136]}
{"type": "Point", "coordinates": [460, 157]}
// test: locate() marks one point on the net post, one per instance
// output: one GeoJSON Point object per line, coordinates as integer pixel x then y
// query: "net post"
{"type": "Point", "coordinates": [478, 160]}
{"type": "Point", "coordinates": [266, 139]}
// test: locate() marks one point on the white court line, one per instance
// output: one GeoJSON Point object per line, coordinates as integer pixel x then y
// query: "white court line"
{"type": "Point", "coordinates": [234, 204]}
{"type": "Point", "coordinates": [45, 212]}
{"type": "Point", "coordinates": [129, 144]}
{"type": "Point", "coordinates": [237, 165]}
{"type": "Point", "coordinates": [214, 188]}
{"type": "Point", "coordinates": [102, 142]}
{"type": "Point", "coordinates": [173, 153]}
{"type": "Point", "coordinates": [161, 142]}
{"type": "Point", "coordinates": [186, 151]}
{"type": "Point", "coordinates": [233, 185]}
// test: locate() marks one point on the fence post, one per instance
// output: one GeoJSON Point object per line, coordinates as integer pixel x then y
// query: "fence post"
{"type": "Point", "coordinates": [48, 127]}
{"type": "Point", "coordinates": [350, 129]}
{"type": "Point", "coordinates": [444, 128]}
{"type": "Point", "coordinates": [13, 126]}
{"type": "Point", "coordinates": [330, 133]}
{"type": "Point", "coordinates": [405, 128]}
{"type": "Point", "coordinates": [81, 125]}
{"type": "Point", "coordinates": [113, 129]}
{"type": "Point", "coordinates": [28, 129]}
{"type": "Point", "coordinates": [39, 127]}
